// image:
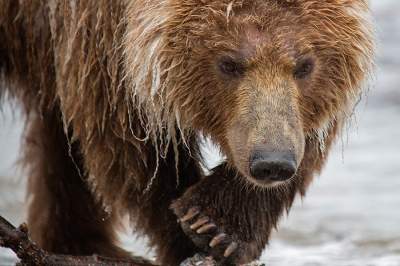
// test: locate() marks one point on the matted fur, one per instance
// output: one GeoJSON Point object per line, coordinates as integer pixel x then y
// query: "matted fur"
{"type": "Point", "coordinates": [134, 83]}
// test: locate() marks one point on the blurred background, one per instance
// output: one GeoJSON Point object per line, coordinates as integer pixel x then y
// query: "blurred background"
{"type": "Point", "coordinates": [351, 215]}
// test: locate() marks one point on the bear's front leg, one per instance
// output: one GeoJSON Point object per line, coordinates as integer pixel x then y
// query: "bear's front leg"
{"type": "Point", "coordinates": [229, 218]}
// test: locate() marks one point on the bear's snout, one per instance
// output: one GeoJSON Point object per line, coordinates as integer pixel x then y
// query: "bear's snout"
{"type": "Point", "coordinates": [268, 166]}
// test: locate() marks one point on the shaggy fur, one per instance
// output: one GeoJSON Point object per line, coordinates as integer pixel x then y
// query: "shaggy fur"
{"type": "Point", "coordinates": [118, 93]}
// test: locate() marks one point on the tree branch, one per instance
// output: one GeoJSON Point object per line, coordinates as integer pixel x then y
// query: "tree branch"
{"type": "Point", "coordinates": [29, 253]}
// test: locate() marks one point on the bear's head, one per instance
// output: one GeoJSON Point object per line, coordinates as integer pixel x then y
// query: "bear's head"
{"type": "Point", "coordinates": [264, 79]}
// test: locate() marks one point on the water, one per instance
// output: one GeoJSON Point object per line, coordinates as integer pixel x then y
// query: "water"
{"type": "Point", "coordinates": [351, 214]}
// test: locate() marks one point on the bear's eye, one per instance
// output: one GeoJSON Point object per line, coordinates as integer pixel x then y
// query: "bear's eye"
{"type": "Point", "coordinates": [230, 67]}
{"type": "Point", "coordinates": [303, 68]}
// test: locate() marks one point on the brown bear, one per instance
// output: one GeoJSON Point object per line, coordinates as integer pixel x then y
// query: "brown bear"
{"type": "Point", "coordinates": [120, 94]}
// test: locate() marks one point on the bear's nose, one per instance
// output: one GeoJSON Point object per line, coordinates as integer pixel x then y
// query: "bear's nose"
{"type": "Point", "coordinates": [272, 166]}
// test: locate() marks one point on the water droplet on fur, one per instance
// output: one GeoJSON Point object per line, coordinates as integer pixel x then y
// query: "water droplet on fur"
{"type": "Point", "coordinates": [108, 211]}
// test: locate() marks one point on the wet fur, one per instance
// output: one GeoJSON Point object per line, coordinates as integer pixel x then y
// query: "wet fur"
{"type": "Point", "coordinates": [116, 96]}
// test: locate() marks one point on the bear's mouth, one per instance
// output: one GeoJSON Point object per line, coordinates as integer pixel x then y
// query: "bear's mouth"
{"type": "Point", "coordinates": [270, 184]}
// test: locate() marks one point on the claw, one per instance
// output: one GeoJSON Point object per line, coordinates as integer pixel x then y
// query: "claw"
{"type": "Point", "coordinates": [216, 240]}
{"type": "Point", "coordinates": [199, 222]}
{"type": "Point", "coordinates": [190, 214]}
{"type": "Point", "coordinates": [230, 249]}
{"type": "Point", "coordinates": [206, 228]}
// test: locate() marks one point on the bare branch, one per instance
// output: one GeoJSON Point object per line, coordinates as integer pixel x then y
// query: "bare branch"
{"type": "Point", "coordinates": [29, 253]}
